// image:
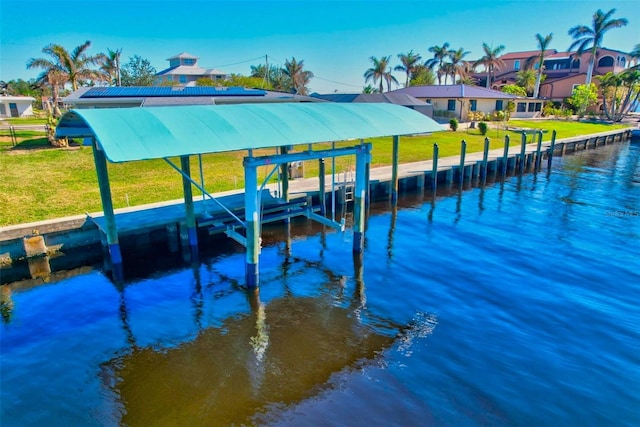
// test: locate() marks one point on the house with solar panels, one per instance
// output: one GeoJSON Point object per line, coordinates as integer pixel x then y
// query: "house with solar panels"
{"type": "Point", "coordinates": [184, 71]}
{"type": "Point", "coordinates": [148, 96]}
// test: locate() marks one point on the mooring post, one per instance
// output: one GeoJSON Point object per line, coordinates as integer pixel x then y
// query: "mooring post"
{"type": "Point", "coordinates": [538, 151]}
{"type": "Point", "coordinates": [551, 149]}
{"type": "Point", "coordinates": [252, 223]}
{"type": "Point", "coordinates": [284, 173]}
{"type": "Point", "coordinates": [505, 155]}
{"type": "Point", "coordinates": [523, 148]}
{"type": "Point", "coordinates": [485, 159]}
{"type": "Point", "coordinates": [434, 168]}
{"type": "Point", "coordinates": [321, 189]}
{"type": "Point", "coordinates": [463, 153]}
{"type": "Point", "coordinates": [360, 196]}
{"type": "Point", "coordinates": [192, 230]}
{"type": "Point", "coordinates": [394, 170]}
{"type": "Point", "coordinates": [113, 244]}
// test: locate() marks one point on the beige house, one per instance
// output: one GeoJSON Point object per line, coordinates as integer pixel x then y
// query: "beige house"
{"type": "Point", "coordinates": [459, 100]}
{"type": "Point", "coordinates": [184, 71]}
{"type": "Point", "coordinates": [16, 106]}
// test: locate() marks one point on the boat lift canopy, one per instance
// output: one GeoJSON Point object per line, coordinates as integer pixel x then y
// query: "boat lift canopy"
{"type": "Point", "coordinates": [131, 134]}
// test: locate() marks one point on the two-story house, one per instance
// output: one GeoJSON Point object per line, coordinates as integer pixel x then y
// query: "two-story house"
{"type": "Point", "coordinates": [563, 70]}
{"type": "Point", "coordinates": [184, 71]}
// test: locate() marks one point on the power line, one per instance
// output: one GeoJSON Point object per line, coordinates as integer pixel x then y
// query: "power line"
{"type": "Point", "coordinates": [236, 63]}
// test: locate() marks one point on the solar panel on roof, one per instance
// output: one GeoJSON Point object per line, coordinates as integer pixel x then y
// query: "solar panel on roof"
{"type": "Point", "coordinates": [168, 91]}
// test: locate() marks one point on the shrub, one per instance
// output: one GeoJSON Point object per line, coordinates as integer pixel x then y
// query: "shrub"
{"type": "Point", "coordinates": [483, 127]}
{"type": "Point", "coordinates": [453, 124]}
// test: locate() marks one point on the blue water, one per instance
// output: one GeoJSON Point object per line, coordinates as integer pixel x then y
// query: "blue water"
{"type": "Point", "coordinates": [516, 304]}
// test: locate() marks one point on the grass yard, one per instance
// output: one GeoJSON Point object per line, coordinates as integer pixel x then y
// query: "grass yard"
{"type": "Point", "coordinates": [38, 182]}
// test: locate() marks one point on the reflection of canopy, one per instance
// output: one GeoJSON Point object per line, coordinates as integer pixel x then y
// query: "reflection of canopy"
{"type": "Point", "coordinates": [217, 379]}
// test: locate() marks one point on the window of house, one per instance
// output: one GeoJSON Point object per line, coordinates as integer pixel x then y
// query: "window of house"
{"type": "Point", "coordinates": [538, 106]}
{"type": "Point", "coordinates": [183, 79]}
{"type": "Point", "coordinates": [188, 61]}
{"type": "Point", "coordinates": [536, 65]}
{"type": "Point", "coordinates": [451, 105]}
{"type": "Point", "coordinates": [623, 62]}
{"type": "Point", "coordinates": [516, 64]}
{"type": "Point", "coordinates": [3, 110]}
{"type": "Point", "coordinates": [573, 87]}
{"type": "Point", "coordinates": [522, 107]}
{"type": "Point", "coordinates": [428, 101]}
{"type": "Point", "coordinates": [606, 61]}
{"type": "Point", "coordinates": [531, 107]}
{"type": "Point", "coordinates": [499, 104]}
{"type": "Point", "coordinates": [473, 105]}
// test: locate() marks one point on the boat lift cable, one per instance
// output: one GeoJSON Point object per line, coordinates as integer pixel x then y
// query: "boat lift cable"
{"type": "Point", "coordinates": [199, 187]}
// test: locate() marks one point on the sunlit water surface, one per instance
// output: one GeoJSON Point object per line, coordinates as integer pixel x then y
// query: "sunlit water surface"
{"type": "Point", "coordinates": [516, 304]}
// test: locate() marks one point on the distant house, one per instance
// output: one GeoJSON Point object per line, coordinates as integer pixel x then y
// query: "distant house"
{"type": "Point", "coordinates": [390, 98]}
{"type": "Point", "coordinates": [16, 106]}
{"type": "Point", "coordinates": [146, 96]}
{"type": "Point", "coordinates": [184, 71]}
{"type": "Point", "coordinates": [458, 100]}
{"type": "Point", "coordinates": [564, 70]}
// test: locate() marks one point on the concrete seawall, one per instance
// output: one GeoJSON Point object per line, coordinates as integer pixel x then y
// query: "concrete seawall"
{"type": "Point", "coordinates": [165, 220]}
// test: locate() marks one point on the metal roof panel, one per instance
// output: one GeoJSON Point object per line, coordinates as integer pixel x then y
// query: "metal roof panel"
{"type": "Point", "coordinates": [128, 134]}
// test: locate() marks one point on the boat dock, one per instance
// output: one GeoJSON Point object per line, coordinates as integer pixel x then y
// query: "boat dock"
{"type": "Point", "coordinates": [164, 223]}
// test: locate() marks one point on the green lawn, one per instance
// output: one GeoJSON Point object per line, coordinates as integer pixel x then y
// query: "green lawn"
{"type": "Point", "coordinates": [37, 182]}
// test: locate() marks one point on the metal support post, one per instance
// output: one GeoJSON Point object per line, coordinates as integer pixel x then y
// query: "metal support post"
{"type": "Point", "coordinates": [360, 197]}
{"type": "Point", "coordinates": [192, 230]}
{"type": "Point", "coordinates": [113, 244]}
{"type": "Point", "coordinates": [394, 170]}
{"type": "Point", "coordinates": [321, 178]}
{"type": "Point", "coordinates": [253, 224]}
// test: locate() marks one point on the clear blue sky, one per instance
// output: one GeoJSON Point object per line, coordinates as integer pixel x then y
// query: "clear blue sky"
{"type": "Point", "coordinates": [334, 38]}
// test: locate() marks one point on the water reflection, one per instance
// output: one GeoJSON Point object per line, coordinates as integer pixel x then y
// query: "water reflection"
{"type": "Point", "coordinates": [279, 352]}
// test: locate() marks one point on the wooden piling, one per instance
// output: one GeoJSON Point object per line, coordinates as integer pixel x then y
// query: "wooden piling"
{"type": "Point", "coordinates": [394, 170]}
{"type": "Point", "coordinates": [485, 159]}
{"type": "Point", "coordinates": [434, 167]}
{"type": "Point", "coordinates": [552, 147]}
{"type": "Point", "coordinates": [463, 153]}
{"type": "Point", "coordinates": [505, 155]}
{"type": "Point", "coordinates": [192, 230]}
{"type": "Point", "coordinates": [538, 152]}
{"type": "Point", "coordinates": [523, 148]}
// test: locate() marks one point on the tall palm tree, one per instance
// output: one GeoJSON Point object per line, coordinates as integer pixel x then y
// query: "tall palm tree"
{"type": "Point", "coordinates": [590, 38]}
{"type": "Point", "coordinates": [299, 77]}
{"type": "Point", "coordinates": [409, 62]}
{"type": "Point", "coordinates": [543, 45]}
{"type": "Point", "coordinates": [491, 61]}
{"type": "Point", "coordinates": [380, 72]}
{"type": "Point", "coordinates": [110, 65]}
{"type": "Point", "coordinates": [440, 53]}
{"type": "Point", "coordinates": [635, 54]}
{"type": "Point", "coordinates": [458, 64]}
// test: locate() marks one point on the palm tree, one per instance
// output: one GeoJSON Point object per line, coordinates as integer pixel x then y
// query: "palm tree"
{"type": "Point", "coordinates": [491, 61]}
{"type": "Point", "coordinates": [298, 75]}
{"type": "Point", "coordinates": [74, 65]}
{"type": "Point", "coordinates": [110, 65]}
{"type": "Point", "coordinates": [380, 72]}
{"type": "Point", "coordinates": [439, 55]}
{"type": "Point", "coordinates": [527, 79]}
{"type": "Point", "coordinates": [543, 45]}
{"type": "Point", "coordinates": [458, 64]}
{"type": "Point", "coordinates": [409, 62]}
{"type": "Point", "coordinates": [635, 54]}
{"type": "Point", "coordinates": [590, 38]}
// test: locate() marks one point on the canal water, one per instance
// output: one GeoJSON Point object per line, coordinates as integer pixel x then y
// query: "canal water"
{"type": "Point", "coordinates": [513, 304]}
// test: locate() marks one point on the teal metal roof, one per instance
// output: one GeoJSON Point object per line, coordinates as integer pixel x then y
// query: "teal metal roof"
{"type": "Point", "coordinates": [127, 134]}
